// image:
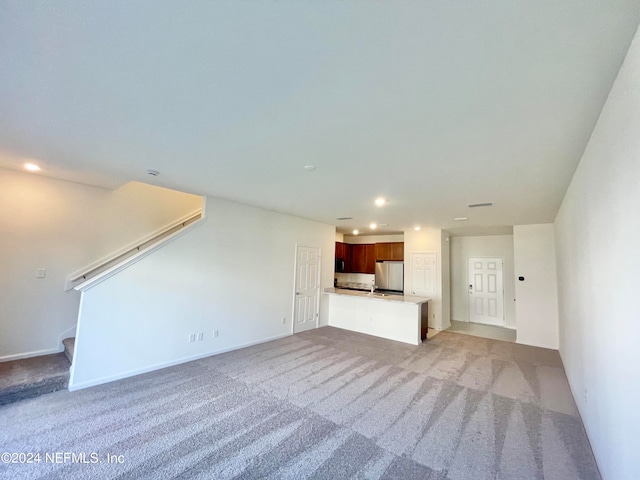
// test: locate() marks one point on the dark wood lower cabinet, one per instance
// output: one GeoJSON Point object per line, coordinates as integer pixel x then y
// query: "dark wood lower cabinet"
{"type": "Point", "coordinates": [424, 321]}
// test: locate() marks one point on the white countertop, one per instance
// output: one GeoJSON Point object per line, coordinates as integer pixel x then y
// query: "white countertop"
{"type": "Point", "coordinates": [410, 299]}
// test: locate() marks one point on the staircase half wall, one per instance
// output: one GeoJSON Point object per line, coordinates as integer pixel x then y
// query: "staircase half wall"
{"type": "Point", "coordinates": [50, 228]}
{"type": "Point", "coordinates": [233, 274]}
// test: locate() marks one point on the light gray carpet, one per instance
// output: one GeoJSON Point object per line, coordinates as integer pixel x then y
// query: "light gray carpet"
{"type": "Point", "coordinates": [30, 377]}
{"type": "Point", "coordinates": [326, 404]}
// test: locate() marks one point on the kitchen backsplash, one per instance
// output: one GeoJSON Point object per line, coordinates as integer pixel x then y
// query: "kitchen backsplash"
{"type": "Point", "coordinates": [364, 278]}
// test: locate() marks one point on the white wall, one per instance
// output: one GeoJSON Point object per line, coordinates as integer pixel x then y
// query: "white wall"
{"type": "Point", "coordinates": [430, 240]}
{"type": "Point", "coordinates": [382, 318]}
{"type": "Point", "coordinates": [233, 273]}
{"type": "Point", "coordinates": [359, 239]}
{"type": "Point", "coordinates": [536, 296]}
{"type": "Point", "coordinates": [445, 245]}
{"type": "Point", "coordinates": [598, 255]}
{"type": "Point", "coordinates": [481, 246]}
{"type": "Point", "coordinates": [62, 226]}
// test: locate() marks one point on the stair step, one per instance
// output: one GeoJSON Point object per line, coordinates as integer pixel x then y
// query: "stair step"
{"type": "Point", "coordinates": [31, 377]}
{"type": "Point", "coordinates": [69, 347]}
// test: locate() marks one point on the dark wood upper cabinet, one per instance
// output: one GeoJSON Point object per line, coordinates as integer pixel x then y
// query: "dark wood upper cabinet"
{"type": "Point", "coordinates": [397, 251]}
{"type": "Point", "coordinates": [369, 258]}
{"type": "Point", "coordinates": [343, 251]}
{"type": "Point", "coordinates": [383, 251]}
{"type": "Point", "coordinates": [347, 257]}
{"type": "Point", "coordinates": [357, 259]}
{"type": "Point", "coordinates": [390, 251]}
{"type": "Point", "coordinates": [361, 258]}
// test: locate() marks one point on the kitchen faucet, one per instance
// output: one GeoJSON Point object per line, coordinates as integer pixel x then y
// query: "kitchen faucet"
{"type": "Point", "coordinates": [373, 289]}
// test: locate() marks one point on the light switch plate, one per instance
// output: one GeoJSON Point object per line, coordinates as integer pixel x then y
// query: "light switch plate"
{"type": "Point", "coordinates": [41, 273]}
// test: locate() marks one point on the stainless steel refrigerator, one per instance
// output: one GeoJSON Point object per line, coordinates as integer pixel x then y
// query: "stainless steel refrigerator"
{"type": "Point", "coordinates": [390, 276]}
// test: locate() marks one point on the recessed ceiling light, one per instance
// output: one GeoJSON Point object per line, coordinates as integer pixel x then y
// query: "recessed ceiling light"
{"type": "Point", "coordinates": [460, 219]}
{"type": "Point", "coordinates": [309, 168]}
{"type": "Point", "coordinates": [155, 173]}
{"type": "Point", "coordinates": [355, 232]}
{"type": "Point", "coordinates": [416, 228]}
{"type": "Point", "coordinates": [32, 167]}
{"type": "Point", "coordinates": [373, 226]}
{"type": "Point", "coordinates": [380, 202]}
{"type": "Point", "coordinates": [482, 204]}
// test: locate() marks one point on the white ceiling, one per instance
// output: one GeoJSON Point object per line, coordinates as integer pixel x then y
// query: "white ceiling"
{"type": "Point", "coordinates": [432, 104]}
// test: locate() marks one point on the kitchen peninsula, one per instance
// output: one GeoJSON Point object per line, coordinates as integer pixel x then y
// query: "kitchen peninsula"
{"type": "Point", "coordinates": [402, 318]}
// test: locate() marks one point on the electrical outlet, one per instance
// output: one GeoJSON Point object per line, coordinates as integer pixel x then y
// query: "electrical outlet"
{"type": "Point", "coordinates": [284, 320]}
{"type": "Point", "coordinates": [215, 333]}
{"type": "Point", "coordinates": [192, 338]}
{"type": "Point", "coordinates": [41, 273]}
{"type": "Point", "coordinates": [201, 336]}
{"type": "Point", "coordinates": [586, 398]}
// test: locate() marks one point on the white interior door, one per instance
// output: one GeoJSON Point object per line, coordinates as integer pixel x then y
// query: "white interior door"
{"type": "Point", "coordinates": [486, 292]}
{"type": "Point", "coordinates": [307, 299]}
{"type": "Point", "coordinates": [423, 274]}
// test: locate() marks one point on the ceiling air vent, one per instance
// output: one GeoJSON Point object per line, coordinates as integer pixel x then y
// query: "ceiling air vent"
{"type": "Point", "coordinates": [344, 218]}
{"type": "Point", "coordinates": [483, 204]}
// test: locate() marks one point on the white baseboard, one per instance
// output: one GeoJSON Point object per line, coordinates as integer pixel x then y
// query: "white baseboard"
{"type": "Point", "coordinates": [539, 345]}
{"type": "Point", "coordinates": [132, 373]}
{"type": "Point", "coordinates": [37, 353]}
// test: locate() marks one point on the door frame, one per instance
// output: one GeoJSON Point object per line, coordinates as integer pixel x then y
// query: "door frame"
{"type": "Point", "coordinates": [504, 315]}
{"type": "Point", "coordinates": [295, 284]}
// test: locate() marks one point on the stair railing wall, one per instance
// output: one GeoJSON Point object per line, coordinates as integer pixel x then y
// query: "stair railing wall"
{"type": "Point", "coordinates": [118, 260]}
